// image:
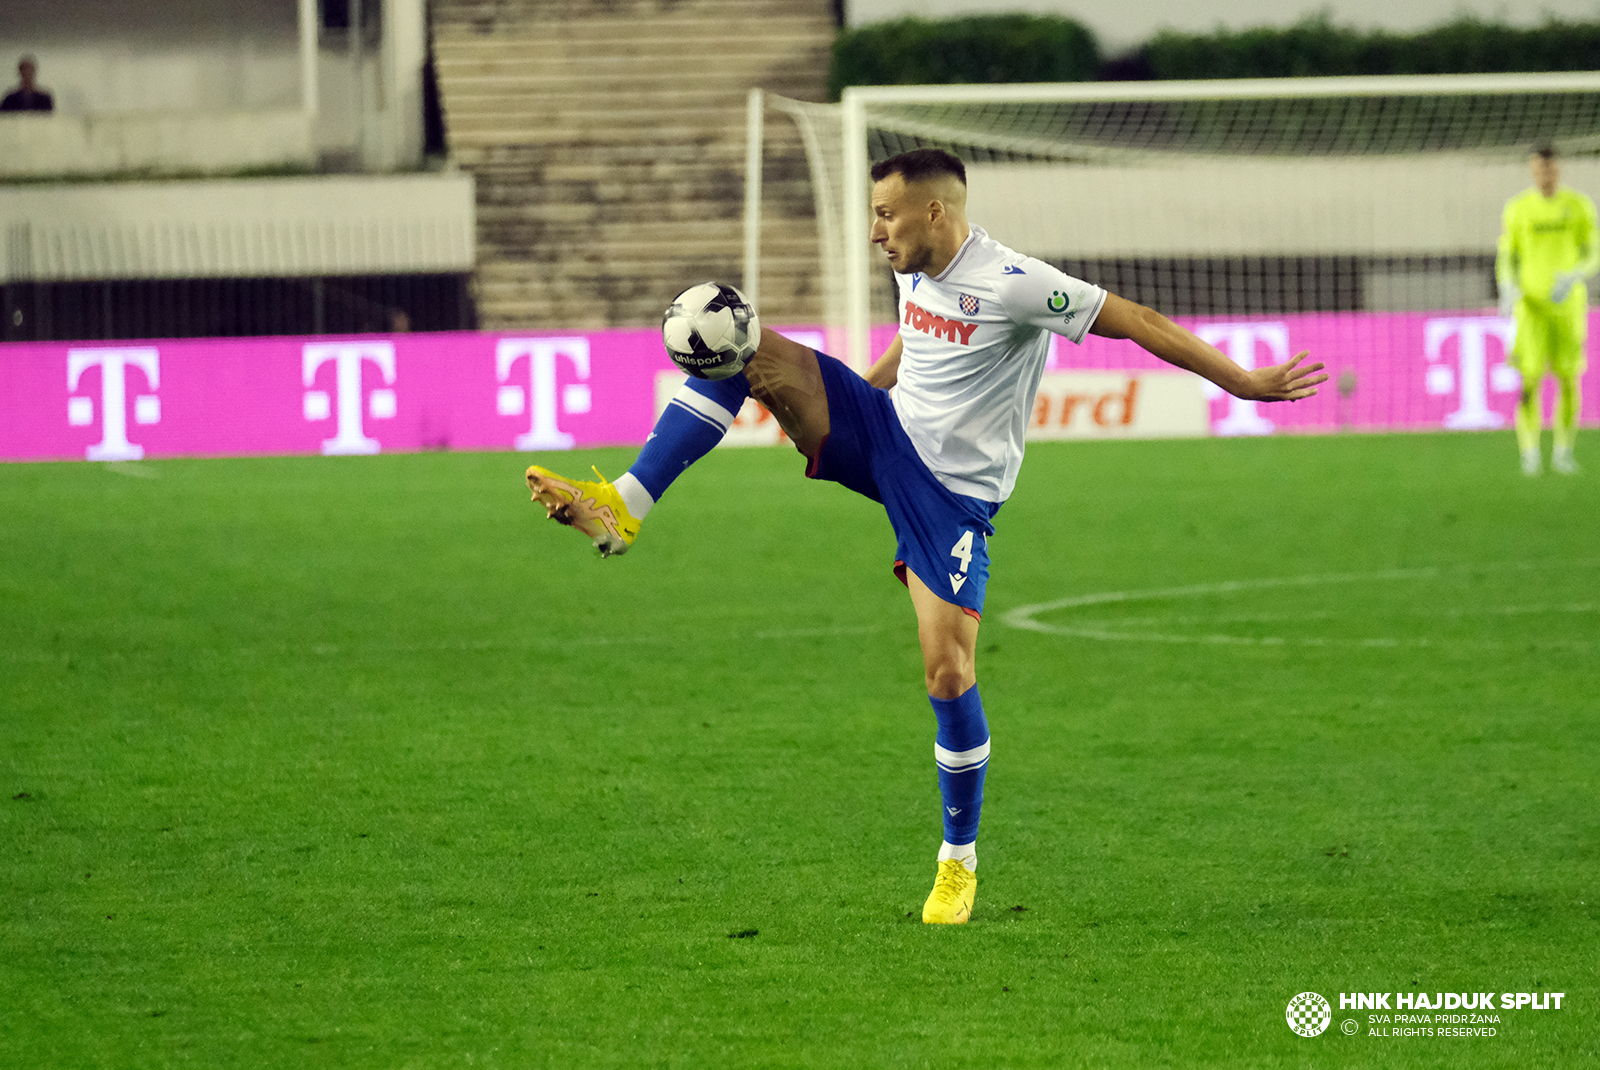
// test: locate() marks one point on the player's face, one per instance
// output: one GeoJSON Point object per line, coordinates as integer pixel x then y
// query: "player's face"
{"type": "Point", "coordinates": [1546, 173]}
{"type": "Point", "coordinates": [902, 224]}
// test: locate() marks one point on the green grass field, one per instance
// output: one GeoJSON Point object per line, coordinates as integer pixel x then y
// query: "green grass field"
{"type": "Point", "coordinates": [361, 763]}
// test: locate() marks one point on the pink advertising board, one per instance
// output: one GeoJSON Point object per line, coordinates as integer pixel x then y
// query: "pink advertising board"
{"type": "Point", "coordinates": [550, 391]}
{"type": "Point", "coordinates": [331, 395]}
{"type": "Point", "coordinates": [1407, 371]}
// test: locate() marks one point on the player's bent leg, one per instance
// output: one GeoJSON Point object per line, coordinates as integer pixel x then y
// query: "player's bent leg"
{"type": "Point", "coordinates": [785, 377]}
{"type": "Point", "coordinates": [949, 638]}
{"type": "Point", "coordinates": [596, 509]}
{"type": "Point", "coordinates": [694, 421]}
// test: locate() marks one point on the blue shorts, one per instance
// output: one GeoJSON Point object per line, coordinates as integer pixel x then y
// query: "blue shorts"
{"type": "Point", "coordinates": [942, 536]}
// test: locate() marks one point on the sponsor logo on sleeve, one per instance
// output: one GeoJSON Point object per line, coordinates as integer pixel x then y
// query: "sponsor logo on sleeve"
{"type": "Point", "coordinates": [1058, 303]}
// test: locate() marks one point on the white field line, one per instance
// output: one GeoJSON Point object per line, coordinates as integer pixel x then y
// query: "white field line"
{"type": "Point", "coordinates": [1025, 617]}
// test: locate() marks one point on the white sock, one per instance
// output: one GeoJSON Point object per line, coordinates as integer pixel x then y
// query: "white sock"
{"type": "Point", "coordinates": [967, 852]}
{"type": "Point", "coordinates": [634, 496]}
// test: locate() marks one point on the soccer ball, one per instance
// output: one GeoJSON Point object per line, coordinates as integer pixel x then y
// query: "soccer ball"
{"type": "Point", "coordinates": [710, 330]}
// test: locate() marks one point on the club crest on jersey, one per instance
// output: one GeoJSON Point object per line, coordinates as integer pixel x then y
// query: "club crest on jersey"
{"type": "Point", "coordinates": [969, 305]}
{"type": "Point", "coordinates": [920, 319]}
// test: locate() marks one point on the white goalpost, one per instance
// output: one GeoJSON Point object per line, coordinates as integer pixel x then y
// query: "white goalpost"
{"type": "Point", "coordinates": [1220, 198]}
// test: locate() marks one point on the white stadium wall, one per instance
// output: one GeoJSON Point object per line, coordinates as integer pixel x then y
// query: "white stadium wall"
{"type": "Point", "coordinates": [1365, 206]}
{"type": "Point", "coordinates": [1368, 207]}
{"type": "Point", "coordinates": [156, 142]}
{"type": "Point", "coordinates": [240, 228]}
{"type": "Point", "coordinates": [161, 86]}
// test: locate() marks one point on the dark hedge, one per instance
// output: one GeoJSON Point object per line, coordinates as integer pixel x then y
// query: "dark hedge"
{"type": "Point", "coordinates": [1026, 48]}
{"type": "Point", "coordinates": [1316, 47]}
{"type": "Point", "coordinates": [982, 49]}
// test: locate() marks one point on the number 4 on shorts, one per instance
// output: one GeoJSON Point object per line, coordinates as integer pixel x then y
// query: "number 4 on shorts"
{"type": "Point", "coordinates": [963, 550]}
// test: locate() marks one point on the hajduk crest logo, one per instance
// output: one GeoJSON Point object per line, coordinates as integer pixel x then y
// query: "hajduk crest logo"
{"type": "Point", "coordinates": [1309, 1014]}
{"type": "Point", "coordinates": [969, 305]}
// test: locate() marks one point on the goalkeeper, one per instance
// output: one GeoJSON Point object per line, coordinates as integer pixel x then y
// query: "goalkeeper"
{"type": "Point", "coordinates": [1548, 247]}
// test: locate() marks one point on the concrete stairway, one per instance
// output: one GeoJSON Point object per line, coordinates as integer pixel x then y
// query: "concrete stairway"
{"type": "Point", "coordinates": [608, 138]}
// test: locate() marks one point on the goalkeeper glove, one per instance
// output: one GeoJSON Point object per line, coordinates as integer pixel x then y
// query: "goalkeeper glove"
{"type": "Point", "coordinates": [1564, 283]}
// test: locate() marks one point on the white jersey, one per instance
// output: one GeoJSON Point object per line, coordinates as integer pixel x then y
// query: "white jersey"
{"type": "Point", "coordinates": [974, 340]}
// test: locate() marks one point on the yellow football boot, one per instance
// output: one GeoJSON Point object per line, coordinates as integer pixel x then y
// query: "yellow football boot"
{"type": "Point", "coordinates": [950, 902]}
{"type": "Point", "coordinates": [596, 509]}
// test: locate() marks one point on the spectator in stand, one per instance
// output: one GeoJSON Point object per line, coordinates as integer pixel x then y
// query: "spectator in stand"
{"type": "Point", "coordinates": [27, 96]}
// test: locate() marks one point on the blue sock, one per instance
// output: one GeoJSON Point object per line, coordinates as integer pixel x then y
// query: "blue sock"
{"type": "Point", "coordinates": [962, 751]}
{"type": "Point", "coordinates": [694, 421]}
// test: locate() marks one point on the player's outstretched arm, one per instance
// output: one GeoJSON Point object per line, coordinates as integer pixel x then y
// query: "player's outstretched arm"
{"type": "Point", "coordinates": [1153, 332]}
{"type": "Point", "coordinates": [885, 371]}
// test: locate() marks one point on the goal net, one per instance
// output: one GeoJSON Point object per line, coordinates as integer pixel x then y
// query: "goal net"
{"type": "Point", "coordinates": [1367, 208]}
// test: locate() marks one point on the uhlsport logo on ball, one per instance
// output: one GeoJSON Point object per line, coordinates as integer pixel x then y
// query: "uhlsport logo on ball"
{"type": "Point", "coordinates": [710, 330]}
{"type": "Point", "coordinates": [1309, 1014]}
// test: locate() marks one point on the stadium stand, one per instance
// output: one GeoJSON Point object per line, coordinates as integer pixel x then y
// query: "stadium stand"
{"type": "Point", "coordinates": [607, 138]}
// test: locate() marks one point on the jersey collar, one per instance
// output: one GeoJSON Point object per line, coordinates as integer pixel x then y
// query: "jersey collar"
{"type": "Point", "coordinates": [972, 237]}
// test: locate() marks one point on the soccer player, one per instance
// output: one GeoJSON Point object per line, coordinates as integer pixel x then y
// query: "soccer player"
{"type": "Point", "coordinates": [934, 432]}
{"type": "Point", "coordinates": [1548, 247]}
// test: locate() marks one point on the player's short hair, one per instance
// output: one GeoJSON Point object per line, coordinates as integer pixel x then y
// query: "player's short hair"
{"type": "Point", "coordinates": [920, 164]}
{"type": "Point", "coordinates": [1544, 150]}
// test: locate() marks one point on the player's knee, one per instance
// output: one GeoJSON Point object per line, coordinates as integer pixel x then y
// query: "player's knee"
{"type": "Point", "coordinates": [778, 362]}
{"type": "Point", "coordinates": [950, 677]}
{"type": "Point", "coordinates": [786, 377]}
{"type": "Point", "coordinates": [774, 346]}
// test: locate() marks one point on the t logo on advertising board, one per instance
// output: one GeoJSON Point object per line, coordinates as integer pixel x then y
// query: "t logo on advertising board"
{"type": "Point", "coordinates": [349, 435]}
{"type": "Point", "coordinates": [1471, 375]}
{"type": "Point", "coordinates": [1238, 341]}
{"type": "Point", "coordinates": [544, 431]}
{"type": "Point", "coordinates": [113, 365]}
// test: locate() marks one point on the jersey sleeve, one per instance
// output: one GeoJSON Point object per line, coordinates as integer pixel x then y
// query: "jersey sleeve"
{"type": "Point", "coordinates": [1507, 265]}
{"type": "Point", "coordinates": [1038, 295]}
{"type": "Point", "coordinates": [1588, 238]}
